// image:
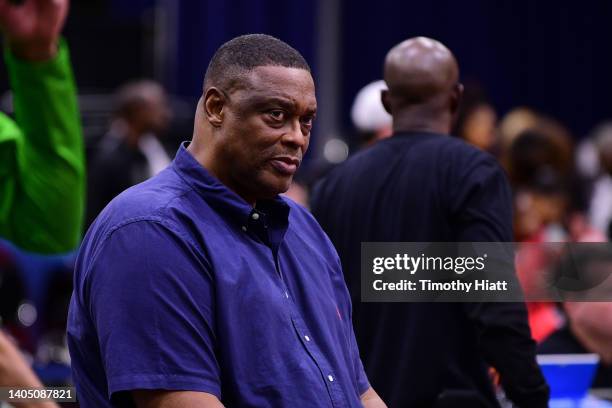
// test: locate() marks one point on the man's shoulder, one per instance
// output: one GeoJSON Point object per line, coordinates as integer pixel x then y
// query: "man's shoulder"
{"type": "Point", "coordinates": [441, 146]}
{"type": "Point", "coordinates": [307, 228]}
{"type": "Point", "coordinates": [420, 151]}
{"type": "Point", "coordinates": [444, 153]}
{"type": "Point", "coordinates": [149, 200]}
{"type": "Point", "coordinates": [455, 161]}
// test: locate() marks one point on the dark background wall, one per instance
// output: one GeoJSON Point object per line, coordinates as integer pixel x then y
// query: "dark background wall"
{"type": "Point", "coordinates": [552, 56]}
{"type": "Point", "coordinates": [205, 25]}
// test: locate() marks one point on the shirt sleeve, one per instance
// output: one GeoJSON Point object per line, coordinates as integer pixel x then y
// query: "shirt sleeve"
{"type": "Point", "coordinates": [482, 202]}
{"type": "Point", "coordinates": [484, 214]}
{"type": "Point", "coordinates": [362, 379]}
{"type": "Point", "coordinates": [43, 179]}
{"type": "Point", "coordinates": [151, 302]}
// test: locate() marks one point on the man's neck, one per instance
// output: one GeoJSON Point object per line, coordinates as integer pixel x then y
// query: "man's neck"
{"type": "Point", "coordinates": [207, 160]}
{"type": "Point", "coordinates": [420, 120]}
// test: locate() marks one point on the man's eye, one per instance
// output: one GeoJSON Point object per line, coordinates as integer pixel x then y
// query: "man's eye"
{"type": "Point", "coordinates": [277, 115]}
{"type": "Point", "coordinates": [307, 121]}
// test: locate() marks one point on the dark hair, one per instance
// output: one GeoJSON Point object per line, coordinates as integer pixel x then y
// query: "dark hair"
{"type": "Point", "coordinates": [241, 54]}
{"type": "Point", "coordinates": [135, 95]}
{"type": "Point", "coordinates": [537, 149]}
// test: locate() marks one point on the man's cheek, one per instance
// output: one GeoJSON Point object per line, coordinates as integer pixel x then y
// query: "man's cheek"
{"type": "Point", "coordinates": [306, 145]}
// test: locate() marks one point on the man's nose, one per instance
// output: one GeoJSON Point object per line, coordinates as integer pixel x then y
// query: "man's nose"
{"type": "Point", "coordinates": [295, 135]}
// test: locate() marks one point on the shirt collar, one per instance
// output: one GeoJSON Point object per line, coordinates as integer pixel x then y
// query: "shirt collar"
{"type": "Point", "coordinates": [272, 215]}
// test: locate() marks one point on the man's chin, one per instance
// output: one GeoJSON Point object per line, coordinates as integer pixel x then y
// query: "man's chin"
{"type": "Point", "coordinates": [271, 188]}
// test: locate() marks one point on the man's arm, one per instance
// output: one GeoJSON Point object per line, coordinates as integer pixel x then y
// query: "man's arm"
{"type": "Point", "coordinates": [189, 399]}
{"type": "Point", "coordinates": [485, 215]}
{"type": "Point", "coordinates": [370, 399]}
{"type": "Point", "coordinates": [591, 323]}
{"type": "Point", "coordinates": [43, 184]}
{"type": "Point", "coordinates": [151, 300]}
{"type": "Point", "coordinates": [175, 399]}
{"type": "Point", "coordinates": [16, 373]}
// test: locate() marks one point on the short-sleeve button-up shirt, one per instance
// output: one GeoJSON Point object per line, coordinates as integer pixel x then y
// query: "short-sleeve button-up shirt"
{"type": "Point", "coordinates": [182, 285]}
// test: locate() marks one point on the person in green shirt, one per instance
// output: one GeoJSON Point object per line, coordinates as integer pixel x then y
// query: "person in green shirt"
{"type": "Point", "coordinates": [42, 163]}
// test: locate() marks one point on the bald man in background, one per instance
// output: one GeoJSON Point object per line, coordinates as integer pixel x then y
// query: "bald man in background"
{"type": "Point", "coordinates": [421, 185]}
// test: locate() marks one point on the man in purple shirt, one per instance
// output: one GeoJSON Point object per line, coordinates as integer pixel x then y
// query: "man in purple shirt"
{"type": "Point", "coordinates": [202, 287]}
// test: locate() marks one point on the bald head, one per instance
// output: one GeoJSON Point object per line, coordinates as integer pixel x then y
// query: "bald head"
{"type": "Point", "coordinates": [422, 75]}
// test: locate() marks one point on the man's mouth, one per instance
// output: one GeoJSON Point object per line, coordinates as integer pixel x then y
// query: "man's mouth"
{"type": "Point", "coordinates": [286, 165]}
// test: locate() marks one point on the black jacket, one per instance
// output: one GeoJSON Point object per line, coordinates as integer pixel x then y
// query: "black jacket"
{"type": "Point", "coordinates": [424, 187]}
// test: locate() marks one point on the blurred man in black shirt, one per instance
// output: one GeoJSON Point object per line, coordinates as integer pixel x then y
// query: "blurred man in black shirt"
{"type": "Point", "coordinates": [131, 151]}
{"type": "Point", "coordinates": [421, 185]}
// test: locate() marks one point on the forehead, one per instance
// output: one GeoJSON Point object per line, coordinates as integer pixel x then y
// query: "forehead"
{"type": "Point", "coordinates": [269, 82]}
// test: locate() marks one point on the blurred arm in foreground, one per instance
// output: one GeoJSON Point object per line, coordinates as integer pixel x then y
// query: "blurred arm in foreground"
{"type": "Point", "coordinates": [42, 177]}
{"type": "Point", "coordinates": [15, 372]}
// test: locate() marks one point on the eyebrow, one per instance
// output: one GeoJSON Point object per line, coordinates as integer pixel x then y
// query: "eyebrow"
{"type": "Point", "coordinates": [262, 100]}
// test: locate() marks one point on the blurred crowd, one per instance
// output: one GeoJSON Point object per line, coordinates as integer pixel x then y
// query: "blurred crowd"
{"type": "Point", "coordinates": [562, 182]}
{"type": "Point", "coordinates": [562, 193]}
{"type": "Point", "coordinates": [562, 186]}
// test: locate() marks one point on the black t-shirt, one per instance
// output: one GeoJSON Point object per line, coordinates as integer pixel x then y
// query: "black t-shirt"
{"type": "Point", "coordinates": [425, 187]}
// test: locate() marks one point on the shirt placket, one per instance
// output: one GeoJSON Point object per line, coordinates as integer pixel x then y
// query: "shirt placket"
{"type": "Point", "coordinates": [308, 341]}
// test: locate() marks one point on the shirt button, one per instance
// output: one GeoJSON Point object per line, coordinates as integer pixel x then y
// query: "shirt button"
{"type": "Point", "coordinates": [255, 216]}
{"type": "Point", "coordinates": [307, 338]}
{"type": "Point", "coordinates": [286, 295]}
{"type": "Point", "coordinates": [330, 378]}
{"type": "Point", "coordinates": [244, 228]}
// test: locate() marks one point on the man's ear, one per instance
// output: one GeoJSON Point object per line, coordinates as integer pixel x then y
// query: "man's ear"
{"type": "Point", "coordinates": [214, 104]}
{"type": "Point", "coordinates": [456, 97]}
{"type": "Point", "coordinates": [384, 97]}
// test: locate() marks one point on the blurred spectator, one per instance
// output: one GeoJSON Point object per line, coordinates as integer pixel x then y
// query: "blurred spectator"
{"type": "Point", "coordinates": [549, 193]}
{"type": "Point", "coordinates": [544, 147]}
{"type": "Point", "coordinates": [369, 116]}
{"type": "Point", "coordinates": [421, 185]}
{"type": "Point", "coordinates": [539, 164]}
{"type": "Point", "coordinates": [511, 126]}
{"type": "Point", "coordinates": [516, 122]}
{"type": "Point", "coordinates": [600, 211]}
{"type": "Point", "coordinates": [16, 373]}
{"type": "Point", "coordinates": [476, 119]}
{"type": "Point", "coordinates": [587, 326]}
{"type": "Point", "coordinates": [540, 206]}
{"type": "Point", "coordinates": [549, 207]}
{"type": "Point", "coordinates": [41, 153]}
{"type": "Point", "coordinates": [591, 323]}
{"type": "Point", "coordinates": [42, 165]}
{"type": "Point", "coordinates": [298, 192]}
{"type": "Point", "coordinates": [130, 152]}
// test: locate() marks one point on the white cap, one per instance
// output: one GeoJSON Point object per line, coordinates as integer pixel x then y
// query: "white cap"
{"type": "Point", "coordinates": [368, 113]}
